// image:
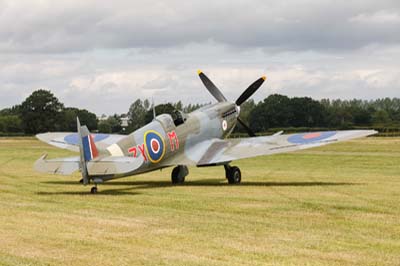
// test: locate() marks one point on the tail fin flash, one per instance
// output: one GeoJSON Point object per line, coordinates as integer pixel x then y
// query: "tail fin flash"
{"type": "Point", "coordinates": [89, 148]}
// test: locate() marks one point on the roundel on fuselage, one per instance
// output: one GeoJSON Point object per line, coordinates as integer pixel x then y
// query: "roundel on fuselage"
{"type": "Point", "coordinates": [155, 146]}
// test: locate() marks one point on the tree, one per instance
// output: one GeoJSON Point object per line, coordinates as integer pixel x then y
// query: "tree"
{"type": "Point", "coordinates": [178, 106]}
{"type": "Point", "coordinates": [274, 111]}
{"type": "Point", "coordinates": [70, 114]}
{"type": "Point", "coordinates": [136, 114]}
{"type": "Point", "coordinates": [338, 114]}
{"type": "Point", "coordinates": [381, 117]}
{"type": "Point", "coordinates": [167, 108]}
{"type": "Point", "coordinates": [104, 127]}
{"type": "Point", "coordinates": [15, 110]}
{"type": "Point", "coordinates": [10, 123]}
{"type": "Point", "coordinates": [111, 125]}
{"type": "Point", "coordinates": [41, 112]}
{"type": "Point", "coordinates": [306, 112]}
{"type": "Point", "coordinates": [115, 123]}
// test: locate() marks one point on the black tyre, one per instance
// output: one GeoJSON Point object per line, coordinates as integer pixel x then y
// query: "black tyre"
{"type": "Point", "coordinates": [234, 175]}
{"type": "Point", "coordinates": [177, 176]}
{"type": "Point", "coordinates": [93, 190]}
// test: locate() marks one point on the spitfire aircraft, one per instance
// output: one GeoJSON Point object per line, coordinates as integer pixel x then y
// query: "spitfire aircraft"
{"type": "Point", "coordinates": [197, 139]}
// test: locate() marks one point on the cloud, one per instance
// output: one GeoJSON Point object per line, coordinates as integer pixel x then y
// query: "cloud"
{"type": "Point", "coordinates": [379, 17]}
{"type": "Point", "coordinates": [75, 26]}
{"type": "Point", "coordinates": [104, 55]}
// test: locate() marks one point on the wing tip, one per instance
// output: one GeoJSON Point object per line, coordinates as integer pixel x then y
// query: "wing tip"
{"type": "Point", "coordinates": [199, 72]}
{"type": "Point", "coordinates": [264, 77]}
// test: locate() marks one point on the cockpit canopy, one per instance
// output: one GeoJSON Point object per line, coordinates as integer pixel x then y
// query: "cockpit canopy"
{"type": "Point", "coordinates": [179, 117]}
{"type": "Point", "coordinates": [172, 120]}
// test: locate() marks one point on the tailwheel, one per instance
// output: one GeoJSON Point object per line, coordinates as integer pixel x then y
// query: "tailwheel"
{"type": "Point", "coordinates": [93, 190]}
{"type": "Point", "coordinates": [233, 174]}
{"type": "Point", "coordinates": [179, 173]}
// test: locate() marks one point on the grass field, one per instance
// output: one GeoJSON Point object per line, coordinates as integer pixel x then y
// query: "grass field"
{"type": "Point", "coordinates": [334, 205]}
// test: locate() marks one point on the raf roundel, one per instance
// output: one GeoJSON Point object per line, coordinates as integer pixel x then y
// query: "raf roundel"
{"type": "Point", "coordinates": [306, 138]}
{"type": "Point", "coordinates": [224, 125]}
{"type": "Point", "coordinates": [155, 146]}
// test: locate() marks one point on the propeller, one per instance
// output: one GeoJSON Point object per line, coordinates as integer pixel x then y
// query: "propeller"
{"type": "Point", "coordinates": [250, 90]}
{"type": "Point", "coordinates": [249, 131]}
{"type": "Point", "coordinates": [242, 98]}
{"type": "Point", "coordinates": [211, 87]}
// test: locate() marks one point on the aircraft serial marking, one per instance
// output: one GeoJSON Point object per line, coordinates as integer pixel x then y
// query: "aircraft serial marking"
{"type": "Point", "coordinates": [173, 140]}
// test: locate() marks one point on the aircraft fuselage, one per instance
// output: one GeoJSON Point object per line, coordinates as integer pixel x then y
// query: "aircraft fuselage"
{"type": "Point", "coordinates": [166, 137]}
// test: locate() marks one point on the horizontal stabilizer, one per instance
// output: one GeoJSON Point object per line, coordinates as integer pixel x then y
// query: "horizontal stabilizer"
{"type": "Point", "coordinates": [113, 165]}
{"type": "Point", "coordinates": [61, 166]}
{"type": "Point", "coordinates": [105, 166]}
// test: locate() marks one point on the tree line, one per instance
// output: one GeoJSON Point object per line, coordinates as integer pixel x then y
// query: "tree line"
{"type": "Point", "coordinates": [43, 112]}
{"type": "Point", "coordinates": [279, 111]}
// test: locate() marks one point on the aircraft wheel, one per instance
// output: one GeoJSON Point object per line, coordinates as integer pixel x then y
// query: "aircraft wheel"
{"type": "Point", "coordinates": [93, 190]}
{"type": "Point", "coordinates": [234, 175]}
{"type": "Point", "coordinates": [178, 174]}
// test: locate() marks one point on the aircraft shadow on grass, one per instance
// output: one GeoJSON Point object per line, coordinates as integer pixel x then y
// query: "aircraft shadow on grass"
{"type": "Point", "coordinates": [133, 185]}
{"type": "Point", "coordinates": [111, 192]}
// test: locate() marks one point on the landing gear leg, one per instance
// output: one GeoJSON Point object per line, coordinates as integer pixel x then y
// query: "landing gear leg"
{"type": "Point", "coordinates": [179, 173]}
{"type": "Point", "coordinates": [233, 174]}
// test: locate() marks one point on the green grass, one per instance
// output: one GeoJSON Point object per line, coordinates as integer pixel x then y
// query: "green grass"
{"type": "Point", "coordinates": [334, 205]}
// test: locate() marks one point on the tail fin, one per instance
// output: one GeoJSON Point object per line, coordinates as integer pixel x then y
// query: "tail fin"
{"type": "Point", "coordinates": [89, 148]}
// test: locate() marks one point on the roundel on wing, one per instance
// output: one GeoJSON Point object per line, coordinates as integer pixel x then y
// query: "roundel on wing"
{"type": "Point", "coordinates": [155, 146]}
{"type": "Point", "coordinates": [306, 138]}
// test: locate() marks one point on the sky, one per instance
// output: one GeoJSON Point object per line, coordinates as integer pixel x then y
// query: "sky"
{"type": "Point", "coordinates": [103, 55]}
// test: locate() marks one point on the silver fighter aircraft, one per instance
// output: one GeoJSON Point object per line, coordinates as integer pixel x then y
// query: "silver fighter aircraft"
{"type": "Point", "coordinates": [197, 139]}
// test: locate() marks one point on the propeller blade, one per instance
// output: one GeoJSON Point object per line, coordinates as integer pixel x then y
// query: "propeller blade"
{"type": "Point", "coordinates": [249, 131]}
{"type": "Point", "coordinates": [250, 90]}
{"type": "Point", "coordinates": [211, 87]}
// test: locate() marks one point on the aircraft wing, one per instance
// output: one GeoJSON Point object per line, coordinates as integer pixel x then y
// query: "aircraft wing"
{"type": "Point", "coordinates": [222, 151]}
{"type": "Point", "coordinates": [69, 140]}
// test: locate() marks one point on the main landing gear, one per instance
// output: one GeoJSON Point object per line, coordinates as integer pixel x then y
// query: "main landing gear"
{"type": "Point", "coordinates": [179, 173]}
{"type": "Point", "coordinates": [233, 174]}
